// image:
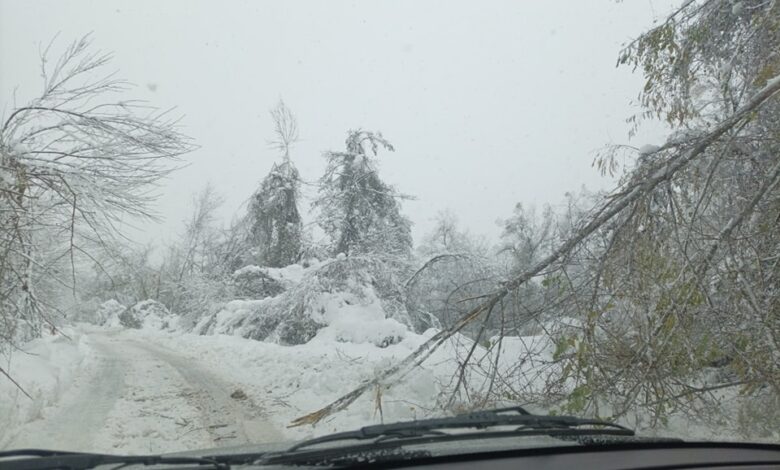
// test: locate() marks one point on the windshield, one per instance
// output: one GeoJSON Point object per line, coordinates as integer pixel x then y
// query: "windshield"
{"type": "Point", "coordinates": [229, 224]}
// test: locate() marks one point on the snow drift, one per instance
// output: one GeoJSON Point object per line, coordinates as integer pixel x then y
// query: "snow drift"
{"type": "Point", "coordinates": [352, 299]}
{"type": "Point", "coordinates": [147, 314]}
{"type": "Point", "coordinates": [45, 368]}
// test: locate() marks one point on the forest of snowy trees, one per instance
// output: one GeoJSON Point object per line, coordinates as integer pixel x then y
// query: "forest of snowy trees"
{"type": "Point", "coordinates": [659, 295]}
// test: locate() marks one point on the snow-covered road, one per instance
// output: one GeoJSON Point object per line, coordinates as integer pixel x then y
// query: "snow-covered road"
{"type": "Point", "coordinates": [139, 397]}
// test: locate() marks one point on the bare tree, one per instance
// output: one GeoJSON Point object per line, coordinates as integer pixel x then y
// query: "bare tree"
{"type": "Point", "coordinates": [285, 129]}
{"type": "Point", "coordinates": [197, 253]}
{"type": "Point", "coordinates": [74, 163]}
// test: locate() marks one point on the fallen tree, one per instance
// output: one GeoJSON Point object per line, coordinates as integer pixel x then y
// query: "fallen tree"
{"type": "Point", "coordinates": [663, 170]}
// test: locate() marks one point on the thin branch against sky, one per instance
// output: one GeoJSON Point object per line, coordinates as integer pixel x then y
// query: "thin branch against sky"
{"type": "Point", "coordinates": [530, 88]}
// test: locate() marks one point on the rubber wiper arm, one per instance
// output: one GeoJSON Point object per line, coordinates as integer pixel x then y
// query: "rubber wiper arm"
{"type": "Point", "coordinates": [475, 420]}
{"type": "Point", "coordinates": [42, 459]}
{"type": "Point", "coordinates": [396, 450]}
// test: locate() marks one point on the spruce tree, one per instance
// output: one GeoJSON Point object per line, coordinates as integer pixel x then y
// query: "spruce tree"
{"type": "Point", "coordinates": [359, 211]}
{"type": "Point", "coordinates": [275, 223]}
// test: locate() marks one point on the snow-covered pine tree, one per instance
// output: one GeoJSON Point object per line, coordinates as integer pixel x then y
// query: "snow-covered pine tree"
{"type": "Point", "coordinates": [359, 212]}
{"type": "Point", "coordinates": [275, 223]}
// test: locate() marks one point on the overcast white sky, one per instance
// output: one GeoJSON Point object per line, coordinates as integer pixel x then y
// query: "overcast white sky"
{"type": "Point", "coordinates": [488, 103]}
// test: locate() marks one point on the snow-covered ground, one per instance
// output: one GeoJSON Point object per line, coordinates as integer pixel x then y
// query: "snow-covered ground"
{"type": "Point", "coordinates": [116, 392]}
{"type": "Point", "coordinates": [47, 368]}
{"type": "Point", "coordinates": [122, 390]}
{"type": "Point", "coordinates": [138, 391]}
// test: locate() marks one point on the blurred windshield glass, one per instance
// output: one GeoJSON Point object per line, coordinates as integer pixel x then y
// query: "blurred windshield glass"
{"type": "Point", "coordinates": [235, 223]}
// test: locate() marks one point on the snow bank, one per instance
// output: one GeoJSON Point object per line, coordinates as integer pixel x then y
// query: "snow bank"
{"type": "Point", "coordinates": [108, 313]}
{"type": "Point", "coordinates": [288, 275]}
{"type": "Point", "coordinates": [343, 299]}
{"type": "Point", "coordinates": [351, 319]}
{"type": "Point", "coordinates": [45, 368]}
{"type": "Point", "coordinates": [147, 314]}
{"type": "Point", "coordinates": [153, 315]}
{"type": "Point", "coordinates": [289, 381]}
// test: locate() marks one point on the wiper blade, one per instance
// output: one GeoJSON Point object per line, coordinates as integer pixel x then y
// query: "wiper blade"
{"type": "Point", "coordinates": [390, 450]}
{"type": "Point", "coordinates": [352, 457]}
{"type": "Point", "coordinates": [43, 459]}
{"type": "Point", "coordinates": [394, 437]}
{"type": "Point", "coordinates": [33, 453]}
{"type": "Point", "coordinates": [528, 423]}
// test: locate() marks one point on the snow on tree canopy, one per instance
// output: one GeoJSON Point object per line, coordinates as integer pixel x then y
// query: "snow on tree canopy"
{"type": "Point", "coordinates": [276, 226]}
{"type": "Point", "coordinates": [275, 223]}
{"type": "Point", "coordinates": [648, 149]}
{"type": "Point", "coordinates": [358, 211]}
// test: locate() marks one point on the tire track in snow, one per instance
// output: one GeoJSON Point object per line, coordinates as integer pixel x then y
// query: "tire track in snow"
{"type": "Point", "coordinates": [136, 397]}
{"type": "Point", "coordinates": [230, 421]}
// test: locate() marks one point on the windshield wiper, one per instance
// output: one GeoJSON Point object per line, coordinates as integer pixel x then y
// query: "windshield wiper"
{"type": "Point", "coordinates": [380, 443]}
{"type": "Point", "coordinates": [536, 424]}
{"type": "Point", "coordinates": [409, 433]}
{"type": "Point", "coordinates": [42, 459]}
